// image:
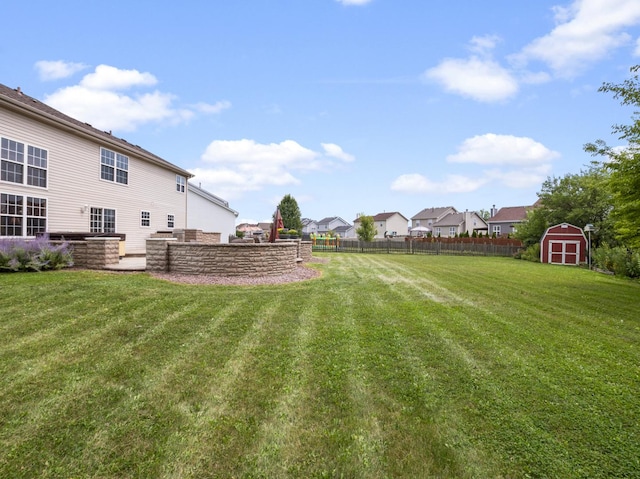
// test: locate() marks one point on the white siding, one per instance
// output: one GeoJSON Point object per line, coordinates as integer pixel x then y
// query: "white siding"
{"type": "Point", "coordinates": [74, 181]}
{"type": "Point", "coordinates": [210, 217]}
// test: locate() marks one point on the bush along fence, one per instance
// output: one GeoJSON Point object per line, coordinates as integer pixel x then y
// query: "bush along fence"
{"type": "Point", "coordinates": [427, 246]}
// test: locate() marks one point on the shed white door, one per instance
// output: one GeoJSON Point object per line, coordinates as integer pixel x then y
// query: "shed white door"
{"type": "Point", "coordinates": [564, 252]}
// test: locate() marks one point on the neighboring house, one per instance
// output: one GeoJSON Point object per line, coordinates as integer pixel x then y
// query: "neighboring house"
{"type": "Point", "coordinates": [428, 216]}
{"type": "Point", "coordinates": [455, 224]}
{"type": "Point", "coordinates": [388, 224]}
{"type": "Point", "coordinates": [309, 226]}
{"type": "Point", "coordinates": [505, 221]}
{"type": "Point", "coordinates": [210, 213]}
{"type": "Point", "coordinates": [59, 174]}
{"type": "Point", "coordinates": [330, 224]}
{"type": "Point", "coordinates": [348, 231]}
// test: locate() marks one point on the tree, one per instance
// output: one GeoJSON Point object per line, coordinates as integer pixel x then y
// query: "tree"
{"type": "Point", "coordinates": [290, 213]}
{"type": "Point", "coordinates": [367, 230]}
{"type": "Point", "coordinates": [578, 199]}
{"type": "Point", "coordinates": [624, 165]}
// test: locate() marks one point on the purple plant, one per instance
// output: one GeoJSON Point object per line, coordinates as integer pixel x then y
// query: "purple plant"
{"type": "Point", "coordinates": [37, 254]}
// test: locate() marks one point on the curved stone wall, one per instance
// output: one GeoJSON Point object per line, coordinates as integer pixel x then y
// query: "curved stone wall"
{"type": "Point", "coordinates": [229, 259]}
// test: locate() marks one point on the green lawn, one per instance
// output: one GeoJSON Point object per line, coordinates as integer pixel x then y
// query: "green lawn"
{"type": "Point", "coordinates": [386, 366]}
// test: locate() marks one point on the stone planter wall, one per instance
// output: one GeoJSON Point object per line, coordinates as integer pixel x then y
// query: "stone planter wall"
{"type": "Point", "coordinates": [233, 259]}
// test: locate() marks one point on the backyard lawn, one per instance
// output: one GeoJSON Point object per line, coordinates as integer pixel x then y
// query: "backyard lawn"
{"type": "Point", "coordinates": [386, 366]}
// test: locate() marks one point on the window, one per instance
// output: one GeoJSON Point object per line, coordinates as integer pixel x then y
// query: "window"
{"type": "Point", "coordinates": [22, 216]}
{"type": "Point", "coordinates": [114, 166]}
{"type": "Point", "coordinates": [12, 167]}
{"type": "Point", "coordinates": [496, 229]}
{"type": "Point", "coordinates": [103, 220]}
{"type": "Point", "coordinates": [437, 231]}
{"type": "Point", "coordinates": [145, 218]}
{"type": "Point", "coordinates": [171, 221]}
{"type": "Point", "coordinates": [180, 183]}
{"type": "Point", "coordinates": [452, 231]}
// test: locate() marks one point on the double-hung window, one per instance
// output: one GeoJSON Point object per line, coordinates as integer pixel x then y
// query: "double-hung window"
{"type": "Point", "coordinates": [22, 215]}
{"type": "Point", "coordinates": [452, 231]}
{"type": "Point", "coordinates": [103, 220]}
{"type": "Point", "coordinates": [171, 221]}
{"type": "Point", "coordinates": [114, 166]}
{"type": "Point", "coordinates": [496, 229]}
{"type": "Point", "coordinates": [145, 218]}
{"type": "Point", "coordinates": [181, 181]}
{"type": "Point", "coordinates": [12, 167]}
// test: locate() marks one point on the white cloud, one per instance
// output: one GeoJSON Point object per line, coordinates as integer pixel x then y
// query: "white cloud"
{"type": "Point", "coordinates": [333, 150]}
{"type": "Point", "coordinates": [636, 52]}
{"type": "Point", "coordinates": [55, 70]}
{"type": "Point", "coordinates": [353, 2]}
{"type": "Point", "coordinates": [217, 107]}
{"type": "Point", "coordinates": [516, 162]}
{"type": "Point", "coordinates": [240, 166]}
{"type": "Point", "coordinates": [98, 100]}
{"type": "Point", "coordinates": [478, 77]}
{"type": "Point", "coordinates": [585, 32]}
{"type": "Point", "coordinates": [107, 77]}
{"type": "Point", "coordinates": [492, 149]}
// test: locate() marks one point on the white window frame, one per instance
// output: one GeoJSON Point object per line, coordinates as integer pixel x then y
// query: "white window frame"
{"type": "Point", "coordinates": [452, 231]}
{"type": "Point", "coordinates": [437, 231]}
{"type": "Point", "coordinates": [496, 229]}
{"type": "Point", "coordinates": [34, 158]}
{"type": "Point", "coordinates": [171, 221]}
{"type": "Point", "coordinates": [102, 220]}
{"type": "Point", "coordinates": [181, 183]}
{"type": "Point", "coordinates": [145, 219]}
{"type": "Point", "coordinates": [23, 214]}
{"type": "Point", "coordinates": [114, 167]}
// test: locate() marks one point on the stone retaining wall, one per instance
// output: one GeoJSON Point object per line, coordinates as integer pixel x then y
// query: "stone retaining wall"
{"type": "Point", "coordinates": [232, 259]}
{"type": "Point", "coordinates": [94, 253]}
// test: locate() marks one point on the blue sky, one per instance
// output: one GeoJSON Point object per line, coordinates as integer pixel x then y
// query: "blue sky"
{"type": "Point", "coordinates": [351, 106]}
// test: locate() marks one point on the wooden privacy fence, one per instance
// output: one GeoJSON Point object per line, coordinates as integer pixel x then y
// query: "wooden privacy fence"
{"type": "Point", "coordinates": [448, 247]}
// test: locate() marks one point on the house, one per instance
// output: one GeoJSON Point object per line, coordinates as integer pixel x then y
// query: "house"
{"type": "Point", "coordinates": [59, 174]}
{"type": "Point", "coordinates": [563, 244]}
{"type": "Point", "coordinates": [428, 216]}
{"type": "Point", "coordinates": [388, 224]}
{"type": "Point", "coordinates": [348, 231]}
{"type": "Point", "coordinates": [210, 213]}
{"type": "Point", "coordinates": [505, 221]}
{"type": "Point", "coordinates": [309, 226]}
{"type": "Point", "coordinates": [330, 224]}
{"type": "Point", "coordinates": [456, 224]}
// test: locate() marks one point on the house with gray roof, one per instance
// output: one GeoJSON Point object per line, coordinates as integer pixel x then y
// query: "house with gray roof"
{"type": "Point", "coordinates": [59, 174]}
{"type": "Point", "coordinates": [456, 224]}
{"type": "Point", "coordinates": [428, 216]}
{"type": "Point", "coordinates": [505, 220]}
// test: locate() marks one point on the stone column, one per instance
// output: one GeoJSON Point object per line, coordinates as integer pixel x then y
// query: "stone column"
{"type": "Point", "coordinates": [102, 251]}
{"type": "Point", "coordinates": [158, 254]}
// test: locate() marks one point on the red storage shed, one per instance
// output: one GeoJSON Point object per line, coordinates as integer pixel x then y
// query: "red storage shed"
{"type": "Point", "coordinates": [563, 244]}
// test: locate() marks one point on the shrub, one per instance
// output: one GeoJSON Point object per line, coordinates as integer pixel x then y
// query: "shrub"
{"type": "Point", "coordinates": [619, 260]}
{"type": "Point", "coordinates": [532, 253]}
{"type": "Point", "coordinates": [33, 255]}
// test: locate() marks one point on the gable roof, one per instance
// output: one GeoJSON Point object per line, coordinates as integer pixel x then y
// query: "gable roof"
{"type": "Point", "coordinates": [454, 219]}
{"type": "Point", "coordinates": [329, 219]}
{"type": "Point", "coordinates": [210, 197]}
{"type": "Point", "coordinates": [432, 213]}
{"type": "Point", "coordinates": [386, 216]}
{"type": "Point", "coordinates": [510, 213]}
{"type": "Point", "coordinates": [16, 100]}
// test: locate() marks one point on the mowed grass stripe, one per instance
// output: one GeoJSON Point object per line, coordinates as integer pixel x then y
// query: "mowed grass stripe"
{"type": "Point", "coordinates": [357, 374]}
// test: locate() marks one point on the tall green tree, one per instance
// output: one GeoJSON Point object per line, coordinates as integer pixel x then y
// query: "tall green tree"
{"type": "Point", "coordinates": [578, 199]}
{"type": "Point", "coordinates": [367, 230]}
{"type": "Point", "coordinates": [624, 164]}
{"type": "Point", "coordinates": [290, 213]}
